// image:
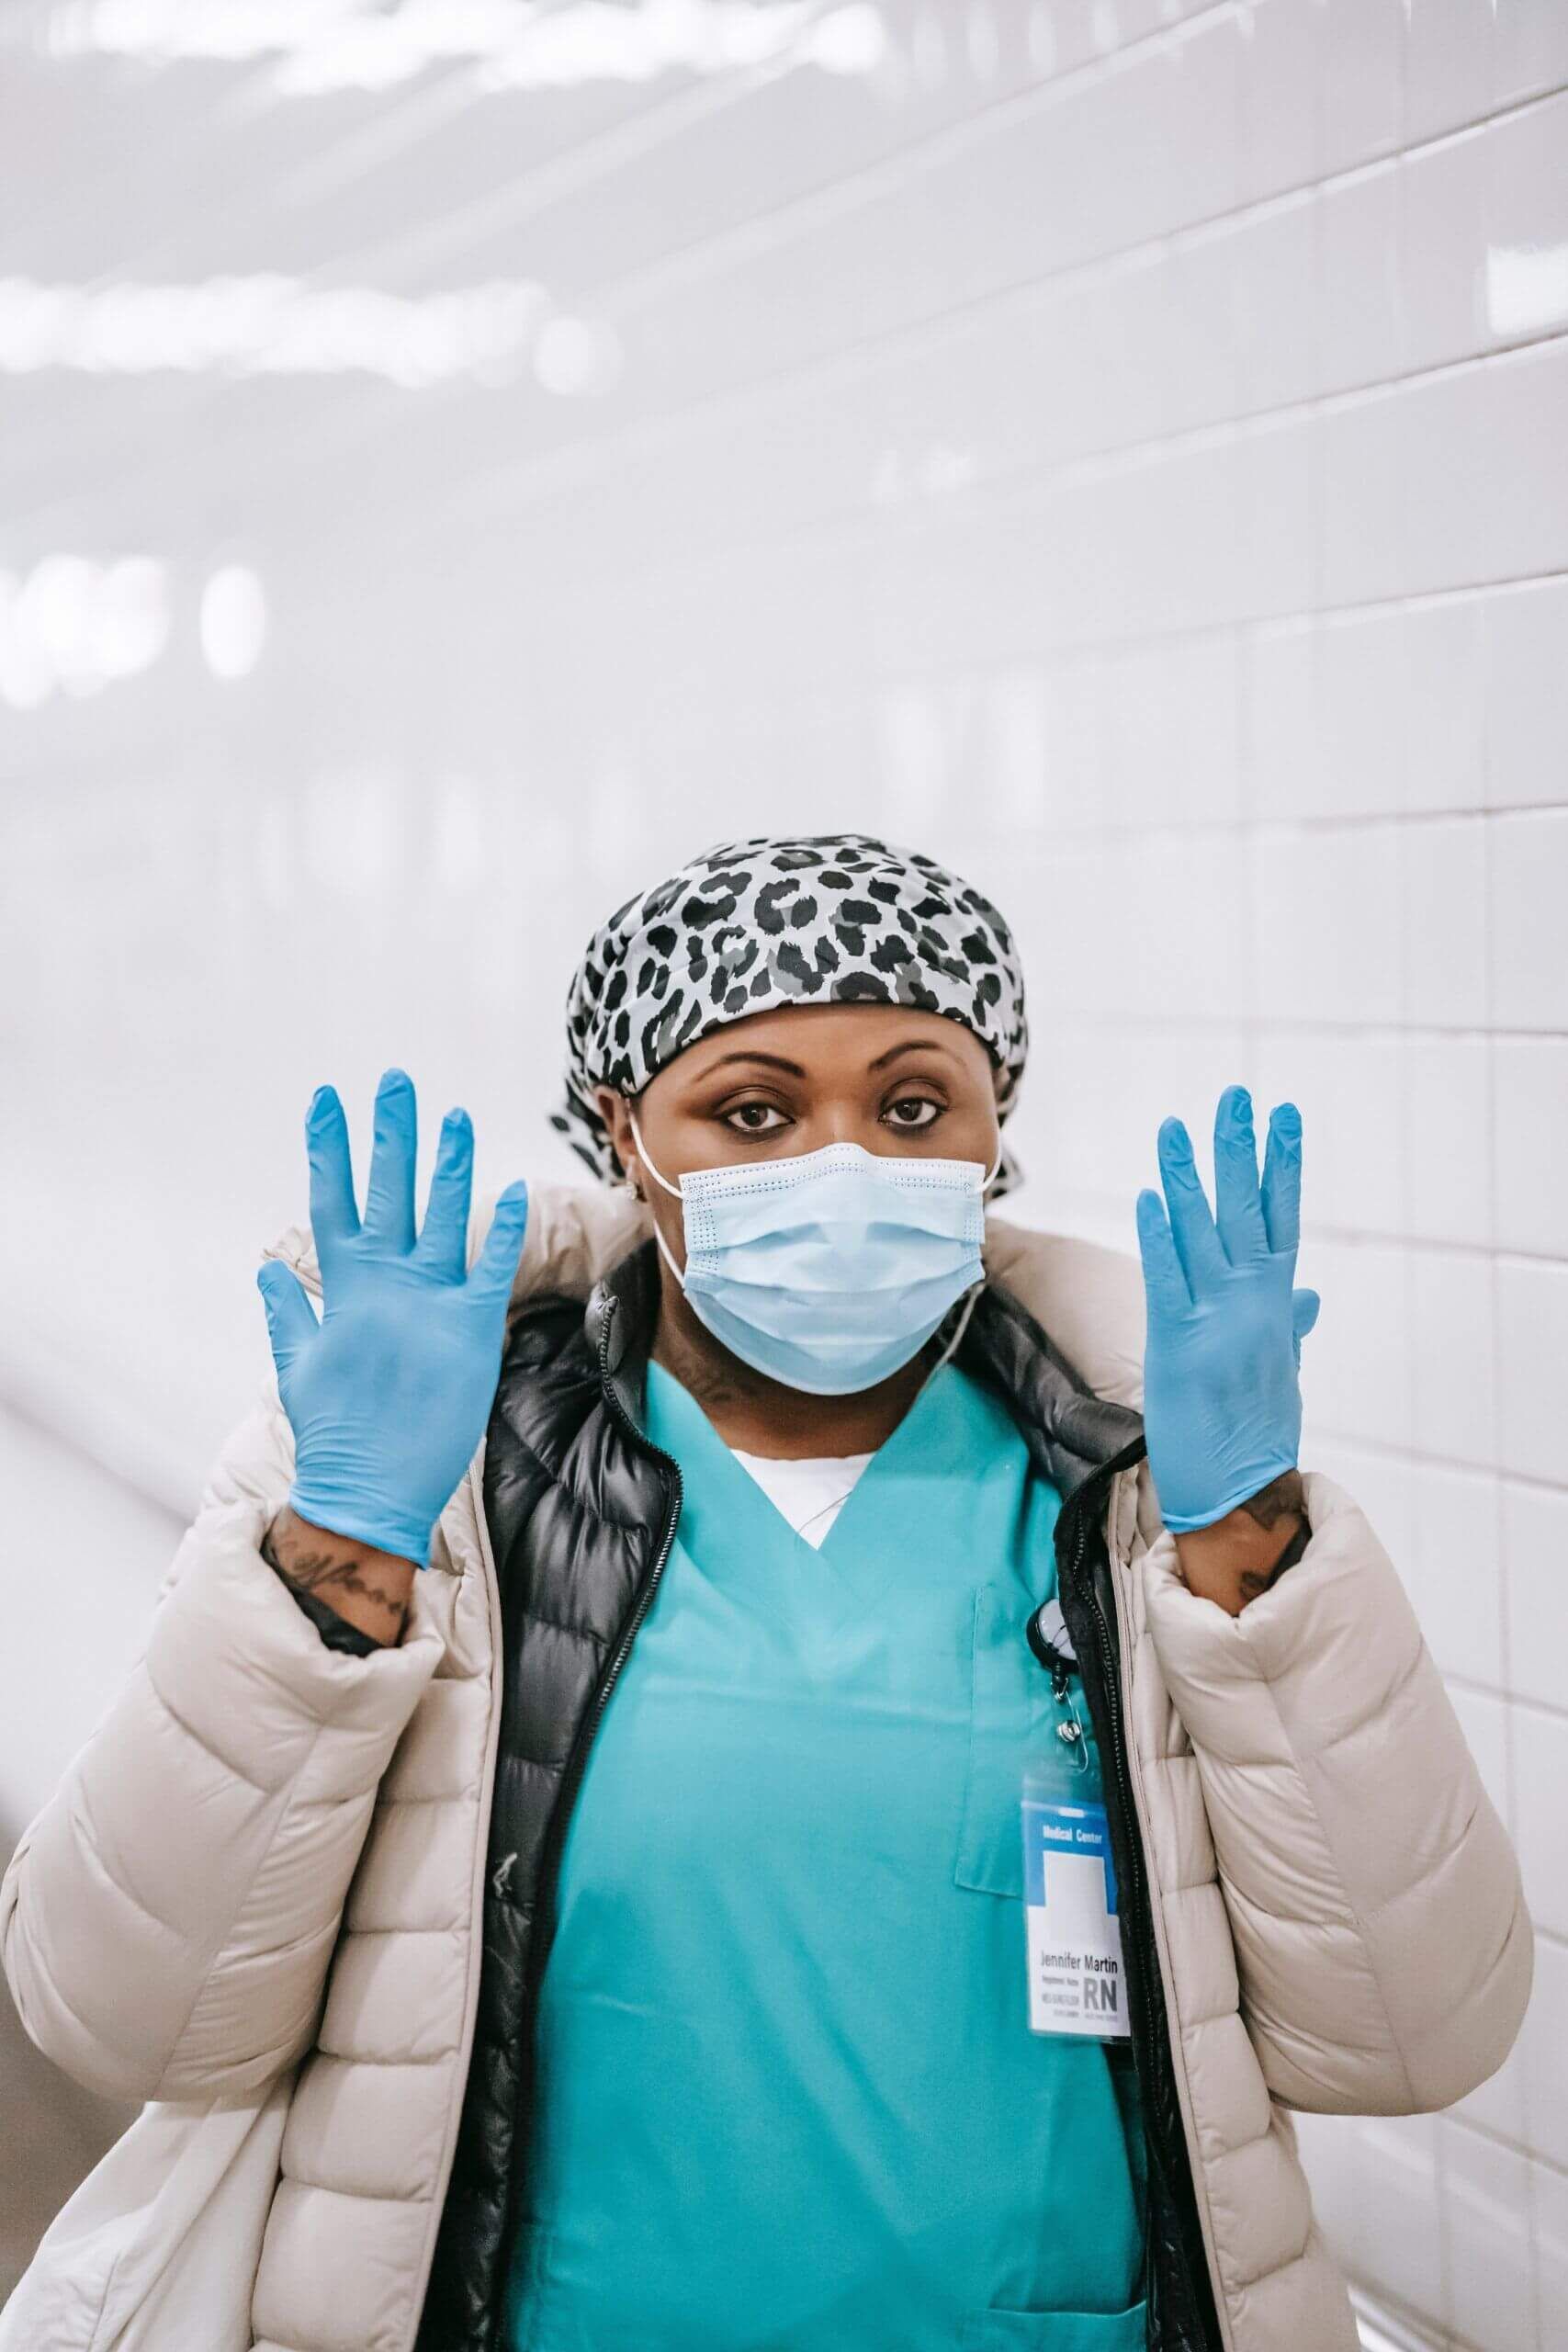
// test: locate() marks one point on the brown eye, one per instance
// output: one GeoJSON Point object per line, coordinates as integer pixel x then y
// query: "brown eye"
{"type": "Point", "coordinates": [746, 1118]}
{"type": "Point", "coordinates": [917, 1103]}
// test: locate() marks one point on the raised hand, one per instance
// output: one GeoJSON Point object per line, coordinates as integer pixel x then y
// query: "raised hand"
{"type": "Point", "coordinates": [1222, 1403]}
{"type": "Point", "coordinates": [389, 1396]}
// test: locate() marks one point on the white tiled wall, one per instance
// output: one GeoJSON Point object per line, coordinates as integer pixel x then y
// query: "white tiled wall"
{"type": "Point", "coordinates": [1118, 444]}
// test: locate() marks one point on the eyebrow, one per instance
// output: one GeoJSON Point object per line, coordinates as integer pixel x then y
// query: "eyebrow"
{"type": "Point", "coordinates": [777, 1061]}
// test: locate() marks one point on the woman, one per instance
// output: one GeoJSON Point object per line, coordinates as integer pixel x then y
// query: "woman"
{"type": "Point", "coordinates": [612, 1936]}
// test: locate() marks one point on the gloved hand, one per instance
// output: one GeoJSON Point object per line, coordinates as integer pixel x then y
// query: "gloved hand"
{"type": "Point", "coordinates": [389, 1396]}
{"type": "Point", "coordinates": [1221, 1404]}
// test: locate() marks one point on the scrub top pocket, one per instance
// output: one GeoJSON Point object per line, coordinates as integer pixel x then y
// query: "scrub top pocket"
{"type": "Point", "coordinates": [1000, 2331]}
{"type": "Point", "coordinates": [1012, 1711]}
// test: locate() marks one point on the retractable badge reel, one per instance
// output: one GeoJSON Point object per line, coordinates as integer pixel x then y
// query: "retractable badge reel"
{"type": "Point", "coordinates": [1076, 1982]}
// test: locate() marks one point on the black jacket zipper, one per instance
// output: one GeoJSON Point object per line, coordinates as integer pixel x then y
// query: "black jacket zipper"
{"type": "Point", "coordinates": [543, 1932]}
{"type": "Point", "coordinates": [1121, 1778]}
{"type": "Point", "coordinates": [577, 1762]}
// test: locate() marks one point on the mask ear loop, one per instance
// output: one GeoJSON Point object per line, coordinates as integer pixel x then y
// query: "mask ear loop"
{"type": "Point", "coordinates": [959, 1327]}
{"type": "Point", "coordinates": [968, 1307]}
{"type": "Point", "coordinates": [642, 1154]}
{"type": "Point", "coordinates": [675, 1189]}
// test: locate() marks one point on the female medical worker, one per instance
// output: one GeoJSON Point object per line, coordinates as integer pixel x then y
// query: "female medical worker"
{"type": "Point", "coordinates": [613, 1939]}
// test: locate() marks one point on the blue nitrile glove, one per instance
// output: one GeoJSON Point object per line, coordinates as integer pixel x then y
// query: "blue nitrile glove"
{"type": "Point", "coordinates": [389, 1396]}
{"type": "Point", "coordinates": [1221, 1404]}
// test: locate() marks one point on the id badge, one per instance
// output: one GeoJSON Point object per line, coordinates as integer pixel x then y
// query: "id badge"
{"type": "Point", "coordinates": [1073, 1930]}
{"type": "Point", "coordinates": [1077, 1983]}
{"type": "Point", "coordinates": [1073, 1933]}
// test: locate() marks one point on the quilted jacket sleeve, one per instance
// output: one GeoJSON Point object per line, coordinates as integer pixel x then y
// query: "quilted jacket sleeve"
{"type": "Point", "coordinates": [167, 1918]}
{"type": "Point", "coordinates": [1383, 1945]}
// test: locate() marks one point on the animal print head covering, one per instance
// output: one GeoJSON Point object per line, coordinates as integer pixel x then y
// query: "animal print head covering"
{"type": "Point", "coordinates": [752, 925]}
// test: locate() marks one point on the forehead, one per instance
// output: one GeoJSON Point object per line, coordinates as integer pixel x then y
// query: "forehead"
{"type": "Point", "coordinates": [830, 1039]}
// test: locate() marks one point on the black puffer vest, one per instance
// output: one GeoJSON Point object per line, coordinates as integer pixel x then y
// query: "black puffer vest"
{"type": "Point", "coordinates": [581, 1513]}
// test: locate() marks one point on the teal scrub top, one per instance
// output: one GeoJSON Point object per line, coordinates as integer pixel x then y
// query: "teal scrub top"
{"type": "Point", "coordinates": [786, 2097]}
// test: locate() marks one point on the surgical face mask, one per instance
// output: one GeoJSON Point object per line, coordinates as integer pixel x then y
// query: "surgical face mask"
{"type": "Point", "coordinates": [830, 1270]}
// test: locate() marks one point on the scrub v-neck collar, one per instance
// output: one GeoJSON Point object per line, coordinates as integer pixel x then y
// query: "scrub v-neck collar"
{"type": "Point", "coordinates": [884, 1526]}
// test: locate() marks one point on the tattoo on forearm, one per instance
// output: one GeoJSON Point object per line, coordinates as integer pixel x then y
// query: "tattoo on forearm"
{"type": "Point", "coordinates": [320, 1572]}
{"type": "Point", "coordinates": [1257, 1580]}
{"type": "Point", "coordinates": [1282, 1499]}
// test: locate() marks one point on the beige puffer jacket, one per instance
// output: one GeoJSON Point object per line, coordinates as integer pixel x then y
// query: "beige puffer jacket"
{"type": "Point", "coordinates": [253, 1901]}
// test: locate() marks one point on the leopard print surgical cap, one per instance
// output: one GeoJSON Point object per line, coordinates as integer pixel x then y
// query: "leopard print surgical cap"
{"type": "Point", "coordinates": [749, 926]}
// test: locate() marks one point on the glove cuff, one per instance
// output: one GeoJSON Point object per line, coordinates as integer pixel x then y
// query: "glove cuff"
{"type": "Point", "coordinates": [1243, 1490]}
{"type": "Point", "coordinates": [404, 1538]}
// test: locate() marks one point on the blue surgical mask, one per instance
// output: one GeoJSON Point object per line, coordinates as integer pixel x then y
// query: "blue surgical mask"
{"type": "Point", "coordinates": [830, 1270]}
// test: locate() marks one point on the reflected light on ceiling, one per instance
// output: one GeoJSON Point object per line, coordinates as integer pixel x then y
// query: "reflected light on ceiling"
{"type": "Point", "coordinates": [75, 623]}
{"type": "Point", "coordinates": [322, 45]}
{"type": "Point", "coordinates": [984, 43]}
{"type": "Point", "coordinates": [232, 622]}
{"type": "Point", "coordinates": [269, 324]}
{"type": "Point", "coordinates": [576, 356]}
{"type": "Point", "coordinates": [1526, 287]}
{"type": "Point", "coordinates": [938, 470]}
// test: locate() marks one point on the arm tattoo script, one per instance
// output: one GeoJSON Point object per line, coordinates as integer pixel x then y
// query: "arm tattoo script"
{"type": "Point", "coordinates": [320, 1573]}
